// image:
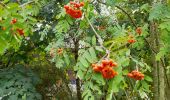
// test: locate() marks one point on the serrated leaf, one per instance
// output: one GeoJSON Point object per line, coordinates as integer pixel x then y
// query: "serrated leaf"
{"type": "Point", "coordinates": [84, 62]}
{"type": "Point", "coordinates": [93, 54]}
{"type": "Point", "coordinates": [94, 40]}
{"type": "Point", "coordinates": [98, 78]}
{"type": "Point", "coordinates": [88, 56]}
{"type": "Point", "coordinates": [80, 74]}
{"type": "Point", "coordinates": [66, 59]}
{"type": "Point", "coordinates": [98, 48]}
{"type": "Point", "coordinates": [147, 78]}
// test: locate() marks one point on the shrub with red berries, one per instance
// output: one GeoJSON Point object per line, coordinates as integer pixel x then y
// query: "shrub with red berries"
{"type": "Point", "coordinates": [136, 75]}
{"type": "Point", "coordinates": [73, 9]}
{"type": "Point", "coordinates": [106, 68]}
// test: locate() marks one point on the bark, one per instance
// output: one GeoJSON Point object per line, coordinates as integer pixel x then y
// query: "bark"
{"type": "Point", "coordinates": [78, 87]}
{"type": "Point", "coordinates": [154, 63]}
{"type": "Point", "coordinates": [158, 71]}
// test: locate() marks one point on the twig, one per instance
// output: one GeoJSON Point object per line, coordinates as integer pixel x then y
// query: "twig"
{"type": "Point", "coordinates": [122, 11]}
{"type": "Point", "coordinates": [127, 15]}
{"type": "Point", "coordinates": [4, 5]}
{"type": "Point", "coordinates": [98, 37]}
{"type": "Point", "coordinates": [27, 3]}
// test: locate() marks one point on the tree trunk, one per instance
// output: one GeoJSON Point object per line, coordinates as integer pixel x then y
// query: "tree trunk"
{"type": "Point", "coordinates": [158, 71]}
{"type": "Point", "coordinates": [154, 63]}
{"type": "Point", "coordinates": [78, 87]}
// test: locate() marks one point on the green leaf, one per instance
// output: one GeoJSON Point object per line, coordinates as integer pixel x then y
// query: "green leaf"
{"type": "Point", "coordinates": [161, 53]}
{"type": "Point", "coordinates": [93, 54]}
{"type": "Point", "coordinates": [66, 59]}
{"type": "Point", "coordinates": [94, 40]}
{"type": "Point", "coordinates": [3, 45]}
{"type": "Point", "coordinates": [88, 56]}
{"type": "Point", "coordinates": [98, 78]}
{"type": "Point", "coordinates": [80, 74]}
{"type": "Point", "coordinates": [98, 48]}
{"type": "Point", "coordinates": [147, 78]}
{"type": "Point", "coordinates": [24, 97]}
{"type": "Point", "coordinates": [109, 96]}
{"type": "Point", "coordinates": [84, 62]}
{"type": "Point", "coordinates": [145, 7]}
{"type": "Point", "coordinates": [156, 12]}
{"type": "Point", "coordinates": [115, 83]}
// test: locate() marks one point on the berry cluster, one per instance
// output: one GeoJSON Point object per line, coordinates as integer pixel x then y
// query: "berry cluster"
{"type": "Point", "coordinates": [139, 30]}
{"type": "Point", "coordinates": [74, 9]}
{"type": "Point", "coordinates": [106, 68]}
{"type": "Point", "coordinates": [18, 30]}
{"type": "Point", "coordinates": [60, 51]}
{"type": "Point", "coordinates": [13, 21]}
{"type": "Point", "coordinates": [131, 39]}
{"type": "Point", "coordinates": [54, 51]}
{"type": "Point", "coordinates": [136, 75]}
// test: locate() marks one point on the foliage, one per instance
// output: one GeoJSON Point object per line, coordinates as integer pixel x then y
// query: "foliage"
{"type": "Point", "coordinates": [115, 29]}
{"type": "Point", "coordinates": [18, 83]}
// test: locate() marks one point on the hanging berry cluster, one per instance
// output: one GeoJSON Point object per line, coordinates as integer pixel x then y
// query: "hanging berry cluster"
{"type": "Point", "coordinates": [73, 9]}
{"type": "Point", "coordinates": [139, 30]}
{"type": "Point", "coordinates": [131, 39]}
{"type": "Point", "coordinates": [136, 75]}
{"type": "Point", "coordinates": [20, 31]}
{"type": "Point", "coordinates": [106, 68]}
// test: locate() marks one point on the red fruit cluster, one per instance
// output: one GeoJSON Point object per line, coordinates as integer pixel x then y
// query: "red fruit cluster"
{"type": "Point", "coordinates": [13, 21]}
{"type": "Point", "coordinates": [131, 39]}
{"type": "Point", "coordinates": [106, 68]}
{"type": "Point", "coordinates": [74, 9]}
{"type": "Point", "coordinates": [139, 30]}
{"type": "Point", "coordinates": [136, 75]}
{"type": "Point", "coordinates": [20, 31]}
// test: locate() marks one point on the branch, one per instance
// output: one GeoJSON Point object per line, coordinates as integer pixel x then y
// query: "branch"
{"type": "Point", "coordinates": [122, 11]}
{"type": "Point", "coordinates": [27, 3]}
{"type": "Point", "coordinates": [98, 37]}
{"type": "Point", "coordinates": [127, 15]}
{"type": "Point", "coordinates": [4, 5]}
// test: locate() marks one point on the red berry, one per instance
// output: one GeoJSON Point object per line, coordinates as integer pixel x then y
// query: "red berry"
{"type": "Point", "coordinates": [14, 21]}
{"type": "Point", "coordinates": [20, 31]}
{"type": "Point", "coordinates": [108, 73]}
{"type": "Point", "coordinates": [66, 7]}
{"type": "Point", "coordinates": [81, 4]}
{"type": "Point", "coordinates": [132, 41]}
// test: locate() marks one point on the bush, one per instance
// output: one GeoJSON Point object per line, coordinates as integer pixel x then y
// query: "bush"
{"type": "Point", "coordinates": [18, 83]}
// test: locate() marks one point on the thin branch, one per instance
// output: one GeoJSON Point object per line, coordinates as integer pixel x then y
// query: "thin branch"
{"type": "Point", "coordinates": [98, 37]}
{"type": "Point", "coordinates": [127, 15]}
{"type": "Point", "coordinates": [4, 5]}
{"type": "Point", "coordinates": [27, 3]}
{"type": "Point", "coordinates": [122, 11]}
